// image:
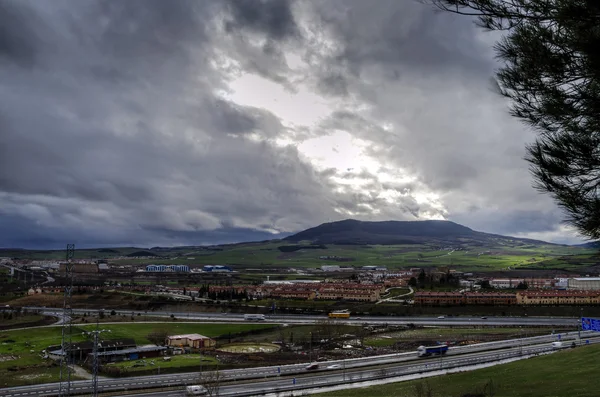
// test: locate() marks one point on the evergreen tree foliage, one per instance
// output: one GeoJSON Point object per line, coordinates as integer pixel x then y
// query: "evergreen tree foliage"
{"type": "Point", "coordinates": [550, 56]}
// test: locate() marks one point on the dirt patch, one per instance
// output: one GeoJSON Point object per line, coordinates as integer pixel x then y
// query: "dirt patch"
{"type": "Point", "coordinates": [250, 348]}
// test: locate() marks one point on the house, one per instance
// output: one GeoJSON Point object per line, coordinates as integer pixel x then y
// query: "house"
{"type": "Point", "coordinates": [190, 340]}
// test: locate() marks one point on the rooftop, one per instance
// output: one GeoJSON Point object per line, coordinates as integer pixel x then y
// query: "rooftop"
{"type": "Point", "coordinates": [587, 278]}
{"type": "Point", "coordinates": [188, 336]}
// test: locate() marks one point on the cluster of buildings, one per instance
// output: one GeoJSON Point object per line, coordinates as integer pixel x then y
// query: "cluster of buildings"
{"type": "Point", "coordinates": [168, 268]}
{"type": "Point", "coordinates": [115, 350]}
{"type": "Point", "coordinates": [464, 298]}
{"type": "Point", "coordinates": [360, 292]}
{"type": "Point", "coordinates": [525, 297]}
{"type": "Point", "coordinates": [186, 268]}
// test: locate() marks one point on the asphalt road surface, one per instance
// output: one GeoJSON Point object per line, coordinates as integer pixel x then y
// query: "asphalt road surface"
{"type": "Point", "coordinates": [310, 319]}
{"type": "Point", "coordinates": [489, 349]}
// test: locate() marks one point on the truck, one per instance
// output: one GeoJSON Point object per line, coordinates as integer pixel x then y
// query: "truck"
{"type": "Point", "coordinates": [426, 351]}
{"type": "Point", "coordinates": [254, 317]}
{"type": "Point", "coordinates": [196, 390]}
{"type": "Point", "coordinates": [340, 314]}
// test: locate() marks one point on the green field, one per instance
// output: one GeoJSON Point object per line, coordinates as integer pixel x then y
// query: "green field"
{"type": "Point", "coordinates": [571, 373]}
{"type": "Point", "coordinates": [21, 351]}
{"type": "Point", "coordinates": [181, 361]}
{"type": "Point", "coordinates": [266, 256]}
{"type": "Point", "coordinates": [397, 256]}
{"type": "Point", "coordinates": [445, 334]}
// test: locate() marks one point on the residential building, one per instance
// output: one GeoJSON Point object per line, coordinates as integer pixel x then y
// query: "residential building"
{"type": "Point", "coordinates": [168, 268]}
{"type": "Point", "coordinates": [190, 340]}
{"type": "Point", "coordinates": [464, 298]}
{"type": "Point", "coordinates": [506, 283]}
{"type": "Point", "coordinates": [553, 298]}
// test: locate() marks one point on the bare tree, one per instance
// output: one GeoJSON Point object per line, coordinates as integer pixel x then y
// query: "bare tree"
{"type": "Point", "coordinates": [158, 336]}
{"type": "Point", "coordinates": [211, 380]}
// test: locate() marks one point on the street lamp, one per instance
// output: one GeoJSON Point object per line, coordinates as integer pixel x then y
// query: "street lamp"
{"type": "Point", "coordinates": [95, 334]}
{"type": "Point", "coordinates": [310, 348]}
{"type": "Point", "coordinates": [521, 340]}
{"type": "Point", "coordinates": [580, 323]}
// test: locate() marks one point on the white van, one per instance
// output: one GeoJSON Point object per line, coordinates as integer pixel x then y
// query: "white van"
{"type": "Point", "coordinates": [557, 345]}
{"type": "Point", "coordinates": [195, 390]}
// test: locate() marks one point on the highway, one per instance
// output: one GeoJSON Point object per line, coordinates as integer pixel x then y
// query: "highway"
{"type": "Point", "coordinates": [355, 320]}
{"type": "Point", "coordinates": [301, 381]}
{"type": "Point", "coordinates": [491, 349]}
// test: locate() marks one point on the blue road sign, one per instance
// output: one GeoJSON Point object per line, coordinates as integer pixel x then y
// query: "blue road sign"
{"type": "Point", "coordinates": [587, 341]}
{"type": "Point", "coordinates": [294, 381]}
{"type": "Point", "coordinates": [278, 370]}
{"type": "Point", "coordinates": [558, 336]}
{"type": "Point", "coordinates": [590, 324]}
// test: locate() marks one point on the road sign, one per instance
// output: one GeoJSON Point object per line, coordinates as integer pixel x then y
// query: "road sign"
{"type": "Point", "coordinates": [278, 370]}
{"type": "Point", "coordinates": [587, 341]}
{"type": "Point", "coordinates": [558, 336]}
{"type": "Point", "coordinates": [590, 324]}
{"type": "Point", "coordinates": [294, 381]}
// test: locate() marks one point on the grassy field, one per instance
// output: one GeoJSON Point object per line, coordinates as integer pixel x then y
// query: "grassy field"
{"type": "Point", "coordinates": [182, 361]}
{"type": "Point", "coordinates": [267, 256]}
{"type": "Point", "coordinates": [571, 373]}
{"type": "Point", "coordinates": [445, 334]}
{"type": "Point", "coordinates": [20, 351]}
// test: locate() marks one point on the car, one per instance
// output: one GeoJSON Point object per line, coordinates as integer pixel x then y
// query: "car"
{"type": "Point", "coordinates": [441, 317]}
{"type": "Point", "coordinates": [334, 366]}
{"type": "Point", "coordinates": [484, 318]}
{"type": "Point", "coordinates": [312, 366]}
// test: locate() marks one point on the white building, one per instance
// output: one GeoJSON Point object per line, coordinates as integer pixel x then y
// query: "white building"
{"type": "Point", "coordinates": [330, 268]}
{"type": "Point", "coordinates": [584, 283]}
{"type": "Point", "coordinates": [502, 283]}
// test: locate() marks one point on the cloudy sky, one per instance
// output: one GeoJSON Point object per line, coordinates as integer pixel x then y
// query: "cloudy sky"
{"type": "Point", "coordinates": [176, 122]}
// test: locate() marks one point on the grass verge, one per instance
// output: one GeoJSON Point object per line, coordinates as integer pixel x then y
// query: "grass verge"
{"type": "Point", "coordinates": [570, 373]}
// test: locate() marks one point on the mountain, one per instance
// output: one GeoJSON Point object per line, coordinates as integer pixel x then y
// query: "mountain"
{"type": "Point", "coordinates": [355, 232]}
{"type": "Point", "coordinates": [591, 244]}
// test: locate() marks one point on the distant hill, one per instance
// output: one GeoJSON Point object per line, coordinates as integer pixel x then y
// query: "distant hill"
{"type": "Point", "coordinates": [591, 244]}
{"type": "Point", "coordinates": [403, 232]}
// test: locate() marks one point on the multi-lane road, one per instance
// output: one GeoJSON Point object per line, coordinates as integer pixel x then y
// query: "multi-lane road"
{"type": "Point", "coordinates": [351, 367]}
{"type": "Point", "coordinates": [308, 319]}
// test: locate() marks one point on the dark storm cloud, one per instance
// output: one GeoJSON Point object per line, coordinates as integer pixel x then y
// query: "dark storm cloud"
{"type": "Point", "coordinates": [116, 125]}
{"type": "Point", "coordinates": [20, 28]}
{"type": "Point", "coordinates": [398, 39]}
{"type": "Point", "coordinates": [272, 17]}
{"type": "Point", "coordinates": [511, 222]}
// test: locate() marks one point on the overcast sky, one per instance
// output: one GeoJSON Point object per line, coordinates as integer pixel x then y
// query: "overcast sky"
{"type": "Point", "coordinates": [177, 122]}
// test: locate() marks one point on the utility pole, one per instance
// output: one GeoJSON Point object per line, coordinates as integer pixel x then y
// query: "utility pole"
{"type": "Point", "coordinates": [65, 361]}
{"type": "Point", "coordinates": [96, 364]}
{"type": "Point", "coordinates": [310, 349]}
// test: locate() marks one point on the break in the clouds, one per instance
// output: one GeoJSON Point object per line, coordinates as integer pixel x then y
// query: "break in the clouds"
{"type": "Point", "coordinates": [198, 122]}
